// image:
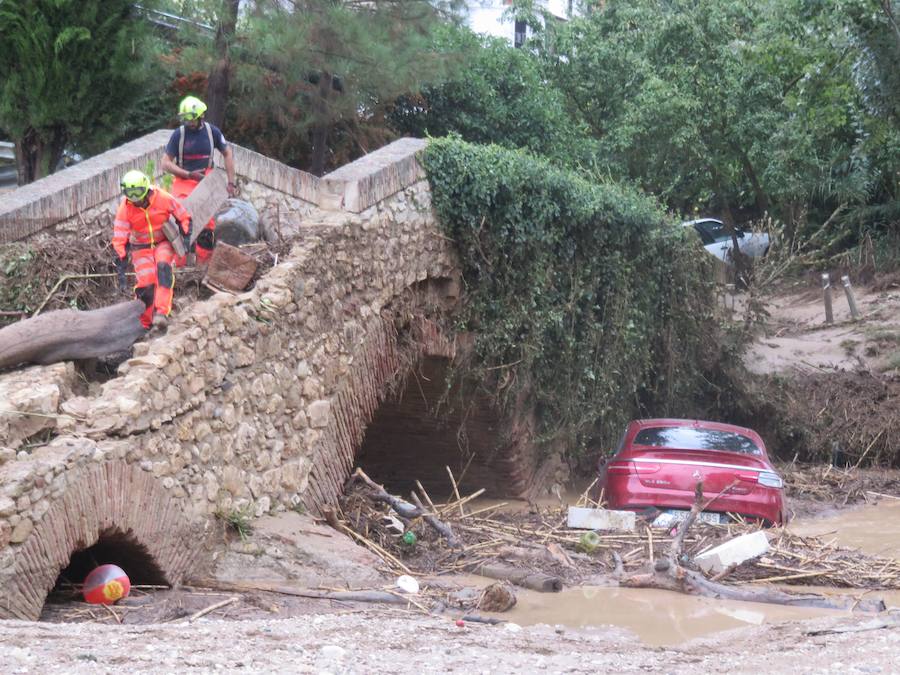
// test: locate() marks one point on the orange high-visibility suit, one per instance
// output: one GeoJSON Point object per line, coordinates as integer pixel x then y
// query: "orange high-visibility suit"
{"type": "Point", "coordinates": [140, 229]}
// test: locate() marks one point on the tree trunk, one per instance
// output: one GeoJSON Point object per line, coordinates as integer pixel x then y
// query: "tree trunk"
{"type": "Point", "coordinates": [669, 576]}
{"type": "Point", "coordinates": [69, 334]}
{"type": "Point", "coordinates": [321, 124]}
{"type": "Point", "coordinates": [219, 81]}
{"type": "Point", "coordinates": [36, 155]}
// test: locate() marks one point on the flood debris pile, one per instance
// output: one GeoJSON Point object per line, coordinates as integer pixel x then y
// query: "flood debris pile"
{"type": "Point", "coordinates": [838, 487]}
{"type": "Point", "coordinates": [793, 559]}
{"type": "Point", "coordinates": [61, 271]}
{"type": "Point", "coordinates": [69, 271]}
{"type": "Point", "coordinates": [845, 418]}
{"type": "Point", "coordinates": [538, 550]}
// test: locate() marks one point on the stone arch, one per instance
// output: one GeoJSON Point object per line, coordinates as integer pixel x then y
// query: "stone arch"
{"type": "Point", "coordinates": [410, 333]}
{"type": "Point", "coordinates": [112, 497]}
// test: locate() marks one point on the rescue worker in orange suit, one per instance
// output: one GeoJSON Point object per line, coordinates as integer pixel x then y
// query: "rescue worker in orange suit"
{"type": "Point", "coordinates": [138, 228]}
{"type": "Point", "coordinates": [189, 157]}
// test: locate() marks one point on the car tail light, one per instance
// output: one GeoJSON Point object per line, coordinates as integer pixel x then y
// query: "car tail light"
{"type": "Point", "coordinates": [618, 468]}
{"type": "Point", "coordinates": [631, 468]}
{"type": "Point", "coordinates": [769, 479]}
{"type": "Point", "coordinates": [748, 476]}
{"type": "Point", "coordinates": [645, 467]}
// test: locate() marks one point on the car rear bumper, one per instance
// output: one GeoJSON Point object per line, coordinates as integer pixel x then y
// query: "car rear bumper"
{"type": "Point", "coordinates": [628, 493]}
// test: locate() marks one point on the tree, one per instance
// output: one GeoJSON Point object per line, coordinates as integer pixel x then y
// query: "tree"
{"type": "Point", "coordinates": [494, 94]}
{"type": "Point", "coordinates": [315, 75]}
{"type": "Point", "coordinates": [742, 107]}
{"type": "Point", "coordinates": [70, 71]}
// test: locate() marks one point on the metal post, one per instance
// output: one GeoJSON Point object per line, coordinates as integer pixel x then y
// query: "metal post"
{"type": "Point", "coordinates": [851, 300]}
{"type": "Point", "coordinates": [826, 292]}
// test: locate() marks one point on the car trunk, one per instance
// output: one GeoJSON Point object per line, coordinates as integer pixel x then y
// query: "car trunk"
{"type": "Point", "coordinates": [681, 470]}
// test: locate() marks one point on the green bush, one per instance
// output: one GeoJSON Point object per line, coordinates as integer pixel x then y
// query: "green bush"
{"type": "Point", "coordinates": [583, 295]}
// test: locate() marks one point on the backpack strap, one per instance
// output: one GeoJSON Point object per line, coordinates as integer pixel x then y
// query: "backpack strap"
{"type": "Point", "coordinates": [181, 146]}
{"type": "Point", "coordinates": [212, 148]}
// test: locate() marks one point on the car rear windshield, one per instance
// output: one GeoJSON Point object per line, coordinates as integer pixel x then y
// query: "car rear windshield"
{"type": "Point", "coordinates": [691, 438]}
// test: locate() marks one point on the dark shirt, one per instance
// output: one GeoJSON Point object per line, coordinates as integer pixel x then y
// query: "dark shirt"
{"type": "Point", "coordinates": [196, 146]}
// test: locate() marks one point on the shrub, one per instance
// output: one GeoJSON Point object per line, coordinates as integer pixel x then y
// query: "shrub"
{"type": "Point", "coordinates": [583, 295]}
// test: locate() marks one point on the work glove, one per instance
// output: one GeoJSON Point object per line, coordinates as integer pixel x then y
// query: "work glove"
{"type": "Point", "coordinates": [120, 275]}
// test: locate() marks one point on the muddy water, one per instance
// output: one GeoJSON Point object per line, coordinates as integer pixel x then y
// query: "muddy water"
{"type": "Point", "coordinates": [658, 618]}
{"type": "Point", "coordinates": [872, 529]}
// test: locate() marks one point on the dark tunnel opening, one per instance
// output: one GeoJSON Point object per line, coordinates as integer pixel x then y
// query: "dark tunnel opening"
{"type": "Point", "coordinates": [112, 547]}
{"type": "Point", "coordinates": [410, 438]}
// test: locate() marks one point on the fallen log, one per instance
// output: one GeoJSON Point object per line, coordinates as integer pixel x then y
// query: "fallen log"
{"type": "Point", "coordinates": [346, 596]}
{"type": "Point", "coordinates": [667, 577]}
{"type": "Point", "coordinates": [536, 581]}
{"type": "Point", "coordinates": [69, 334]}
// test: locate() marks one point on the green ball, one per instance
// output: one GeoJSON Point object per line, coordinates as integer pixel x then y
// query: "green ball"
{"type": "Point", "coordinates": [409, 538]}
{"type": "Point", "coordinates": [589, 542]}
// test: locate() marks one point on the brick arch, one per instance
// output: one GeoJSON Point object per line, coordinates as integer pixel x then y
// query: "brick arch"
{"type": "Point", "coordinates": [113, 497]}
{"type": "Point", "coordinates": [410, 333]}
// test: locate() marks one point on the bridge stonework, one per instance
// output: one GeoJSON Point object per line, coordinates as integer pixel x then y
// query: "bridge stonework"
{"type": "Point", "coordinates": [250, 403]}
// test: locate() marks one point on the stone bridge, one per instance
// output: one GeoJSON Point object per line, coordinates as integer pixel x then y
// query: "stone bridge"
{"type": "Point", "coordinates": [251, 403]}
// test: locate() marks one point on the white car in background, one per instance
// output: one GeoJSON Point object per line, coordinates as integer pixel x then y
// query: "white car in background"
{"type": "Point", "coordinates": [717, 240]}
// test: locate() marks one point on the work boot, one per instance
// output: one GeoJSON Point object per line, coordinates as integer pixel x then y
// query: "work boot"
{"type": "Point", "coordinates": [160, 323]}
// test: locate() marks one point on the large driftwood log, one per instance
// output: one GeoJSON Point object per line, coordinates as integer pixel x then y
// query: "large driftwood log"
{"type": "Point", "coordinates": [69, 334]}
{"type": "Point", "coordinates": [669, 577]}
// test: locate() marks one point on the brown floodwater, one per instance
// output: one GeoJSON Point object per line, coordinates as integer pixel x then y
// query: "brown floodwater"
{"type": "Point", "coordinates": [662, 618]}
{"type": "Point", "coordinates": [873, 529]}
{"type": "Point", "coordinates": [658, 618]}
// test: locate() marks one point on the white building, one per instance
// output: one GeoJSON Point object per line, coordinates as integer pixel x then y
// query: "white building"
{"type": "Point", "coordinates": [487, 16]}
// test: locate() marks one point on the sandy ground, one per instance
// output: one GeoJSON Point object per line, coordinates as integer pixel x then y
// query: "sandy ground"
{"type": "Point", "coordinates": [654, 631]}
{"type": "Point", "coordinates": [796, 337]}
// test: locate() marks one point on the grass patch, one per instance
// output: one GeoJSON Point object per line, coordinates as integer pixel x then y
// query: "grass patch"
{"type": "Point", "coordinates": [238, 521]}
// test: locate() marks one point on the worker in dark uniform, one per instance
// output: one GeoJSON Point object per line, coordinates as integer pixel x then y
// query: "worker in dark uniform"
{"type": "Point", "coordinates": [189, 157]}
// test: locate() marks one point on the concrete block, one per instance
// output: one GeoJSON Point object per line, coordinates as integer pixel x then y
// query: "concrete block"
{"type": "Point", "coordinates": [733, 552]}
{"type": "Point", "coordinates": [600, 519]}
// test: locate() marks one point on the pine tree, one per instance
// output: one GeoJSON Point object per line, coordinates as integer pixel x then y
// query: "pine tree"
{"type": "Point", "coordinates": [70, 70]}
{"type": "Point", "coordinates": [312, 69]}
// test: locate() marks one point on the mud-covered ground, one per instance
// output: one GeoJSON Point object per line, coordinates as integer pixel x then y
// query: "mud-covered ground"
{"type": "Point", "coordinates": [374, 641]}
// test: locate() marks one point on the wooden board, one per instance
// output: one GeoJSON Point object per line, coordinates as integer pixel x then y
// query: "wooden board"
{"type": "Point", "coordinates": [206, 199]}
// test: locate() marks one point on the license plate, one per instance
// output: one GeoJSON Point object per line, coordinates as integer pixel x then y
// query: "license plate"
{"type": "Point", "coordinates": [673, 516]}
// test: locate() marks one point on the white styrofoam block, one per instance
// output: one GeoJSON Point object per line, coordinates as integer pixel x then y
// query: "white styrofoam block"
{"type": "Point", "coordinates": [733, 552]}
{"type": "Point", "coordinates": [600, 519]}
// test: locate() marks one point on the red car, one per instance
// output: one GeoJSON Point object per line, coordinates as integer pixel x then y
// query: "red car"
{"type": "Point", "coordinates": [659, 462]}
